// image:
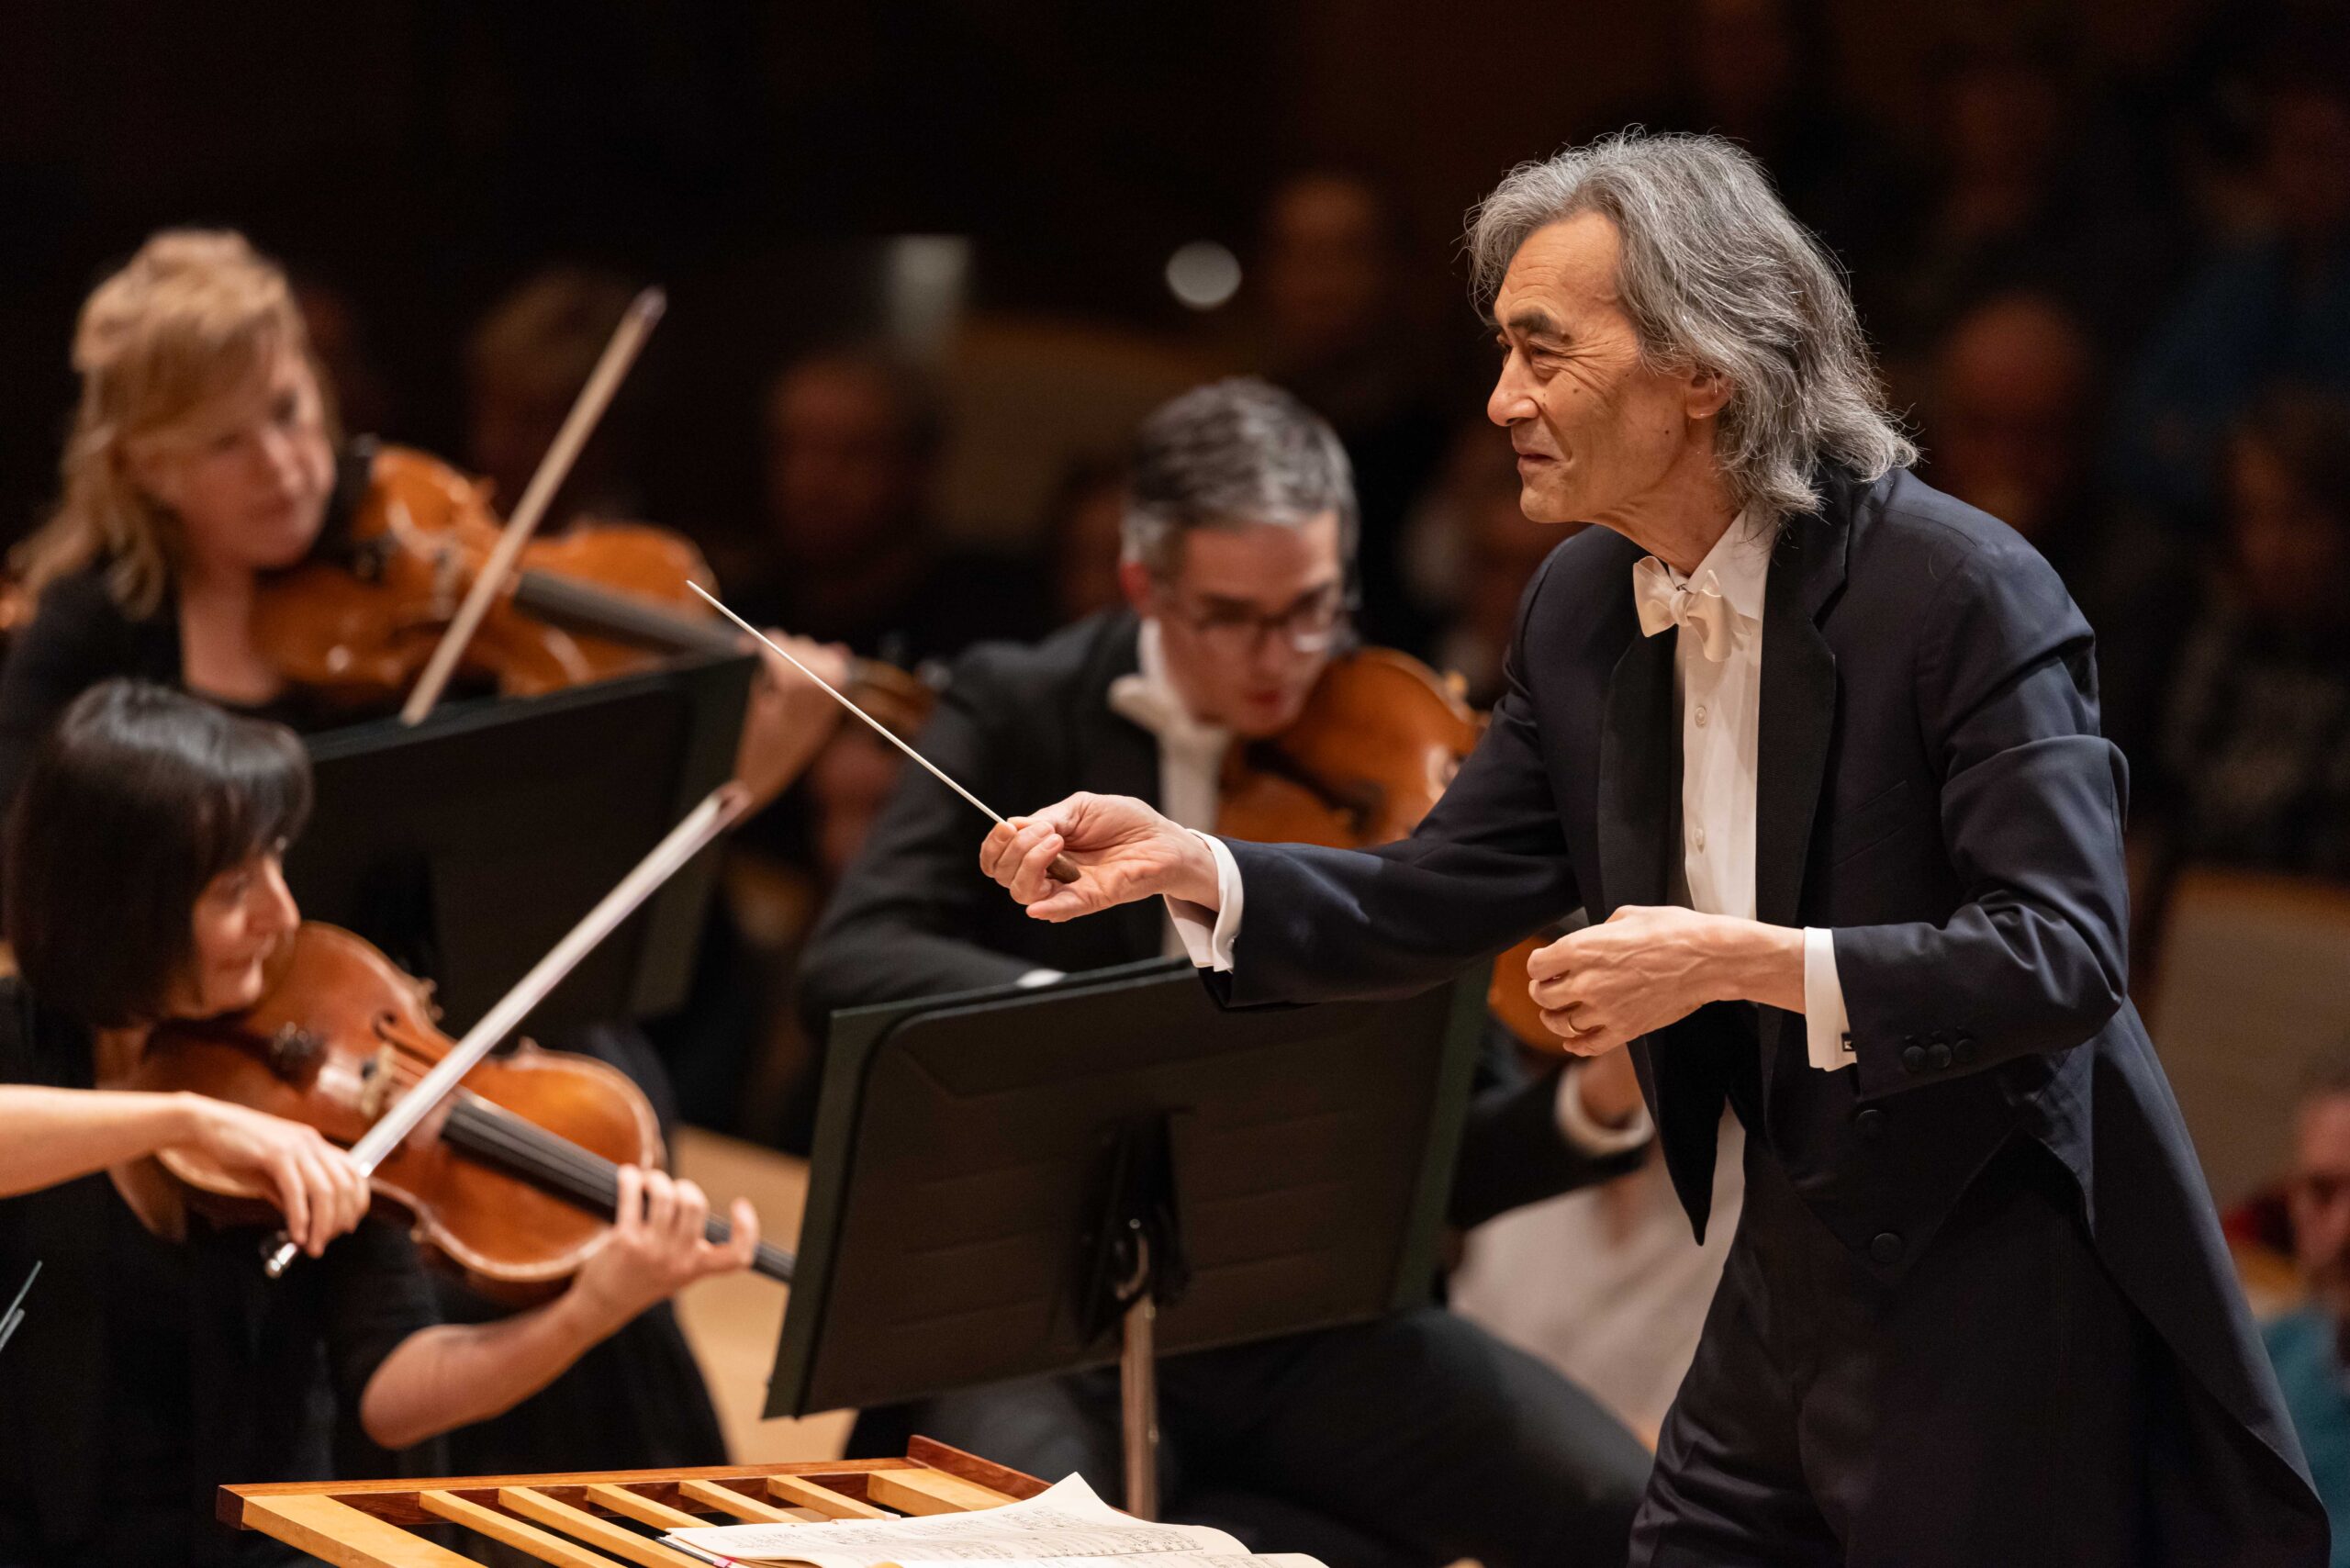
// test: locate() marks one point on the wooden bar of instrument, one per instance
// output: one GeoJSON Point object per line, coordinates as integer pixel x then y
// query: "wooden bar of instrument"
{"type": "Point", "coordinates": [607, 1518]}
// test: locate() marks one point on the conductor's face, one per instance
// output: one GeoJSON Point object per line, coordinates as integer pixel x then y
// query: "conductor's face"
{"type": "Point", "coordinates": [1601, 436]}
{"type": "Point", "coordinates": [1247, 618]}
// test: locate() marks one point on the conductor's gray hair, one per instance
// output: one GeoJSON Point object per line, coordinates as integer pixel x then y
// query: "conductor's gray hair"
{"type": "Point", "coordinates": [1715, 273]}
{"type": "Point", "coordinates": [1231, 455]}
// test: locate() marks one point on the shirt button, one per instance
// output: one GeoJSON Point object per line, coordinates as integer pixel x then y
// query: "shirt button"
{"type": "Point", "coordinates": [1886, 1247]}
{"type": "Point", "coordinates": [1701, 715]}
{"type": "Point", "coordinates": [1701, 841]}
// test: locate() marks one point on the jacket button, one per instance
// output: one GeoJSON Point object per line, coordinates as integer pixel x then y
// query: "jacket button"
{"type": "Point", "coordinates": [1913, 1059]}
{"type": "Point", "coordinates": [1964, 1051]}
{"type": "Point", "coordinates": [1886, 1247]}
{"type": "Point", "coordinates": [1871, 1123]}
{"type": "Point", "coordinates": [1938, 1055]}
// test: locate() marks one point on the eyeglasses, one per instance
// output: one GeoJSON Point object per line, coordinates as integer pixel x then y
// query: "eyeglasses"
{"type": "Point", "coordinates": [1233, 630]}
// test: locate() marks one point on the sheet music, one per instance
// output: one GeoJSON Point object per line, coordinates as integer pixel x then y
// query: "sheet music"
{"type": "Point", "coordinates": [1065, 1527]}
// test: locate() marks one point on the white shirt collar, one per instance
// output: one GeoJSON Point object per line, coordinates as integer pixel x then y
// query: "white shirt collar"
{"type": "Point", "coordinates": [1149, 699]}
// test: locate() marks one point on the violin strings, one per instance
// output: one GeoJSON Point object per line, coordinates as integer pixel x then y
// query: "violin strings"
{"type": "Point", "coordinates": [534, 1152]}
{"type": "Point", "coordinates": [555, 1162]}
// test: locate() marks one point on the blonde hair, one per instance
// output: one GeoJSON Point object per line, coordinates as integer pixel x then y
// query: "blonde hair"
{"type": "Point", "coordinates": [195, 314]}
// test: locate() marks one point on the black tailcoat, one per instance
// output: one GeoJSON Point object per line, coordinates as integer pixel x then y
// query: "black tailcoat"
{"type": "Point", "coordinates": [1933, 787]}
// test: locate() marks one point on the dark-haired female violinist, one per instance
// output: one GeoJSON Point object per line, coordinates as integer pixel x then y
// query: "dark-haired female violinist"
{"type": "Point", "coordinates": [155, 1361]}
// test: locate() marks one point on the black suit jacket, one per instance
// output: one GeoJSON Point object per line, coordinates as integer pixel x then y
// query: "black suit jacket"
{"type": "Point", "coordinates": [1933, 787]}
{"type": "Point", "coordinates": [1025, 725]}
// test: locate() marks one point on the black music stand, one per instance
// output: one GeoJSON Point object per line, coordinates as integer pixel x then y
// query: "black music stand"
{"type": "Point", "coordinates": [1004, 1179]}
{"type": "Point", "coordinates": [467, 847]}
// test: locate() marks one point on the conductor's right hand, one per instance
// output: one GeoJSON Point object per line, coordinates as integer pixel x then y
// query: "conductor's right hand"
{"type": "Point", "coordinates": [1122, 848]}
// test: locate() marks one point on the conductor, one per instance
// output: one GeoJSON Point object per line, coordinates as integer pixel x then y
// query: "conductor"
{"type": "Point", "coordinates": [1817, 748]}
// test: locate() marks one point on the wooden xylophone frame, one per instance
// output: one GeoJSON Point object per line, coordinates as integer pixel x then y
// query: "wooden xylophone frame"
{"type": "Point", "coordinates": [569, 1519]}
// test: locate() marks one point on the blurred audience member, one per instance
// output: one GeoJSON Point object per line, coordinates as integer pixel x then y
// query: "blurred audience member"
{"type": "Point", "coordinates": [1083, 522]}
{"type": "Point", "coordinates": [1339, 336]}
{"type": "Point", "coordinates": [1472, 552]}
{"type": "Point", "coordinates": [2275, 307]}
{"type": "Point", "coordinates": [2158, 73]}
{"type": "Point", "coordinates": [1763, 72]}
{"type": "Point", "coordinates": [2311, 1348]}
{"type": "Point", "coordinates": [2257, 733]}
{"type": "Point", "coordinates": [525, 364]}
{"type": "Point", "coordinates": [851, 553]}
{"type": "Point", "coordinates": [2012, 396]}
{"type": "Point", "coordinates": [2011, 417]}
{"type": "Point", "coordinates": [2014, 202]}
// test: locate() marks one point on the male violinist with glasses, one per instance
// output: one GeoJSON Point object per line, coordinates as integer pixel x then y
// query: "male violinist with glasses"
{"type": "Point", "coordinates": [1240, 523]}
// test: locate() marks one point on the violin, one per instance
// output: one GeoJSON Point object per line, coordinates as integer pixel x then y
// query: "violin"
{"type": "Point", "coordinates": [512, 1179]}
{"type": "Point", "coordinates": [605, 598]}
{"type": "Point", "coordinates": [1379, 739]}
{"type": "Point", "coordinates": [357, 623]}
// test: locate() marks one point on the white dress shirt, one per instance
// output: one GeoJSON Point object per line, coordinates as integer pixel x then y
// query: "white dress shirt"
{"type": "Point", "coordinates": [1191, 754]}
{"type": "Point", "coordinates": [1720, 703]}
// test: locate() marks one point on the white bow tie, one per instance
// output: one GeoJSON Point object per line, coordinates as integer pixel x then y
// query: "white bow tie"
{"type": "Point", "coordinates": [1698, 606]}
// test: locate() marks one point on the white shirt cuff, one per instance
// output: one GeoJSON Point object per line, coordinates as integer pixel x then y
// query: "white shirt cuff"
{"type": "Point", "coordinates": [1828, 1029]}
{"type": "Point", "coordinates": [1585, 1131]}
{"type": "Point", "coordinates": [1207, 933]}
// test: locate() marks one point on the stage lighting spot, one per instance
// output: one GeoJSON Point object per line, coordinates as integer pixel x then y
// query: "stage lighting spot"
{"type": "Point", "coordinates": [1203, 274]}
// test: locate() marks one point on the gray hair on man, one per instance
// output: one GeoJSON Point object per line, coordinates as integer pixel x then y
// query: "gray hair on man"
{"type": "Point", "coordinates": [1232, 455]}
{"type": "Point", "coordinates": [1716, 272]}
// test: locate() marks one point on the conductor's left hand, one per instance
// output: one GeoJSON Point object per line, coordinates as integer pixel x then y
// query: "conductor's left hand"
{"type": "Point", "coordinates": [1123, 850]}
{"type": "Point", "coordinates": [1642, 968]}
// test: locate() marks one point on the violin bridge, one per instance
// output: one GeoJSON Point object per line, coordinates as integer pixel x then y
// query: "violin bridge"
{"type": "Point", "coordinates": [376, 1083]}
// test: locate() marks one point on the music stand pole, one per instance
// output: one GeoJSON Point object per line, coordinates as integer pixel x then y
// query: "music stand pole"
{"type": "Point", "coordinates": [1138, 1385]}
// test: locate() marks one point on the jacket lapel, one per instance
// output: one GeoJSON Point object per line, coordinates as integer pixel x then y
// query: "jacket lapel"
{"type": "Point", "coordinates": [1797, 718]}
{"type": "Point", "coordinates": [1798, 723]}
{"type": "Point", "coordinates": [1640, 777]}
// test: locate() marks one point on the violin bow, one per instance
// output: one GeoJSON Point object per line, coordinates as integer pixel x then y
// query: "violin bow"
{"type": "Point", "coordinates": [704, 823]}
{"type": "Point", "coordinates": [587, 409]}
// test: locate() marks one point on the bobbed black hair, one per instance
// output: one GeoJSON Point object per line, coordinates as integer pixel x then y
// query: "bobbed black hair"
{"type": "Point", "coordinates": [138, 798]}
